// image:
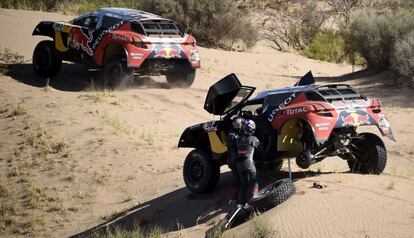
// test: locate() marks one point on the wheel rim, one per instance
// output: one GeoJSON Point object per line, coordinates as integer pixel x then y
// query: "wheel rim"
{"type": "Point", "coordinates": [269, 188]}
{"type": "Point", "coordinates": [196, 171]}
{"type": "Point", "coordinates": [115, 73]}
{"type": "Point", "coordinates": [43, 59]}
{"type": "Point", "coordinates": [361, 154]}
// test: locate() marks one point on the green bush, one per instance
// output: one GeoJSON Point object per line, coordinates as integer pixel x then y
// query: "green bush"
{"type": "Point", "coordinates": [327, 46]}
{"type": "Point", "coordinates": [38, 5]}
{"type": "Point", "coordinates": [374, 35]}
{"type": "Point", "coordinates": [402, 60]}
{"type": "Point", "coordinates": [214, 23]}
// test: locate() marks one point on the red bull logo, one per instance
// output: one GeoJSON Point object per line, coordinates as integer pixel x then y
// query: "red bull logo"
{"type": "Point", "coordinates": [363, 119]}
{"type": "Point", "coordinates": [355, 119]}
{"type": "Point", "coordinates": [167, 52]}
{"type": "Point", "coordinates": [81, 40]}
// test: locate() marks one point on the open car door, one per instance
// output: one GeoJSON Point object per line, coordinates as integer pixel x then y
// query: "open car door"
{"type": "Point", "coordinates": [226, 94]}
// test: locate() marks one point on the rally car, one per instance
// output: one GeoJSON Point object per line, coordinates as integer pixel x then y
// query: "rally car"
{"type": "Point", "coordinates": [306, 121]}
{"type": "Point", "coordinates": [122, 42]}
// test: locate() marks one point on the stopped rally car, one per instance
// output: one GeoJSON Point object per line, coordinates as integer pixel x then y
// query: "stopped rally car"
{"type": "Point", "coordinates": [306, 121]}
{"type": "Point", "coordinates": [122, 42]}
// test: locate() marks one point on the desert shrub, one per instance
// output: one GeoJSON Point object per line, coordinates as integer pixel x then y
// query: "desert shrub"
{"type": "Point", "coordinates": [43, 5]}
{"type": "Point", "coordinates": [402, 59]}
{"type": "Point", "coordinates": [374, 35]}
{"type": "Point", "coordinates": [327, 46]}
{"type": "Point", "coordinates": [293, 28]}
{"type": "Point", "coordinates": [214, 23]}
{"type": "Point", "coordinates": [8, 58]}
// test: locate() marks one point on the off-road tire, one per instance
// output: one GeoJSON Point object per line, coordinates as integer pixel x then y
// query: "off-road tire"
{"type": "Point", "coordinates": [117, 75]}
{"type": "Point", "coordinates": [371, 155]}
{"type": "Point", "coordinates": [182, 77]}
{"type": "Point", "coordinates": [46, 60]}
{"type": "Point", "coordinates": [273, 194]}
{"type": "Point", "coordinates": [201, 174]}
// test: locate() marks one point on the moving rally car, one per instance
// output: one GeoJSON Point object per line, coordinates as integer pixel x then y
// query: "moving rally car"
{"type": "Point", "coordinates": [306, 121]}
{"type": "Point", "coordinates": [121, 42]}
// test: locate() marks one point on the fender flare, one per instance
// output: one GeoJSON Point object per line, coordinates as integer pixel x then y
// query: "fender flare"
{"type": "Point", "coordinates": [44, 28]}
{"type": "Point", "coordinates": [117, 48]}
{"type": "Point", "coordinates": [284, 135]}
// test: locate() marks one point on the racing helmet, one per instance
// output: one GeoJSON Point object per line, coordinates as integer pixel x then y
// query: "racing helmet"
{"type": "Point", "coordinates": [237, 123]}
{"type": "Point", "coordinates": [249, 126]}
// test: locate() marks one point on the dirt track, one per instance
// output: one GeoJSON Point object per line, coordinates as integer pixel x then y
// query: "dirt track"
{"type": "Point", "coordinates": [114, 153]}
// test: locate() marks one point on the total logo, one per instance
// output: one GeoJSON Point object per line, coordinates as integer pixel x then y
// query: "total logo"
{"type": "Point", "coordinates": [296, 110]}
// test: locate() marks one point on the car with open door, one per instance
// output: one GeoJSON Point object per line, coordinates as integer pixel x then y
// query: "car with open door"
{"type": "Point", "coordinates": [307, 122]}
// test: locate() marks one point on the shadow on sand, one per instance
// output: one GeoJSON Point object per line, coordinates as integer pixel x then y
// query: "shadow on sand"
{"type": "Point", "coordinates": [180, 209]}
{"type": "Point", "coordinates": [74, 78]}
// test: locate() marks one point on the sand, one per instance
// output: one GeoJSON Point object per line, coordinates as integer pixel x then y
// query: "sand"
{"type": "Point", "coordinates": [120, 156]}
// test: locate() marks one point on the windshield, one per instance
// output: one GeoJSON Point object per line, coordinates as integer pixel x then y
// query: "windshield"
{"type": "Point", "coordinates": [241, 95]}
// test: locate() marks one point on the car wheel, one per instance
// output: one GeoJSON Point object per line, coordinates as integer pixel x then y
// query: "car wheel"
{"type": "Point", "coordinates": [183, 76]}
{"type": "Point", "coordinates": [273, 194]}
{"type": "Point", "coordinates": [46, 59]}
{"type": "Point", "coordinates": [370, 154]}
{"type": "Point", "coordinates": [201, 173]}
{"type": "Point", "coordinates": [116, 73]}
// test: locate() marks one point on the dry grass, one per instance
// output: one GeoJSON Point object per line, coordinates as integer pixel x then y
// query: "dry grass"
{"type": "Point", "coordinates": [135, 232]}
{"type": "Point", "coordinates": [7, 58]}
{"type": "Point", "coordinates": [391, 186]}
{"type": "Point", "coordinates": [34, 196]}
{"type": "Point", "coordinates": [114, 121]}
{"type": "Point", "coordinates": [260, 228]}
{"type": "Point", "coordinates": [19, 109]}
{"type": "Point", "coordinates": [98, 96]}
{"type": "Point", "coordinates": [39, 138]}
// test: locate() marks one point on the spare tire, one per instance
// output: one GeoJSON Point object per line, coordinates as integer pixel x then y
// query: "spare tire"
{"type": "Point", "coordinates": [273, 194]}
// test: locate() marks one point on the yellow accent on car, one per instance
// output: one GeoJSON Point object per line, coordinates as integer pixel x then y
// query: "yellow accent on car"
{"type": "Point", "coordinates": [216, 145]}
{"type": "Point", "coordinates": [287, 140]}
{"type": "Point", "coordinates": [60, 46]}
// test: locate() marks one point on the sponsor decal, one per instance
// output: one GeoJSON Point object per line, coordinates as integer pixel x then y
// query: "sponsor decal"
{"type": "Point", "coordinates": [119, 37]}
{"type": "Point", "coordinates": [102, 33]}
{"type": "Point", "coordinates": [284, 104]}
{"type": "Point", "coordinates": [136, 55]}
{"type": "Point", "coordinates": [88, 39]}
{"type": "Point", "coordinates": [295, 110]}
{"type": "Point", "coordinates": [383, 123]}
{"type": "Point", "coordinates": [168, 52]}
{"type": "Point", "coordinates": [322, 124]}
{"type": "Point", "coordinates": [58, 26]}
{"type": "Point", "coordinates": [82, 41]}
{"type": "Point", "coordinates": [355, 119]}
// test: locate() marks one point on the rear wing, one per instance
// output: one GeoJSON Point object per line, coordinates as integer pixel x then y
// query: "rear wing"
{"type": "Point", "coordinates": [334, 92]}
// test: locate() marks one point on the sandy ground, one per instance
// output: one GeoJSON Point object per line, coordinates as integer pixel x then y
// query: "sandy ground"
{"type": "Point", "coordinates": [93, 156]}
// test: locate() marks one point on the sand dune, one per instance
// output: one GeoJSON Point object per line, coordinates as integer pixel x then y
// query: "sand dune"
{"type": "Point", "coordinates": [115, 153]}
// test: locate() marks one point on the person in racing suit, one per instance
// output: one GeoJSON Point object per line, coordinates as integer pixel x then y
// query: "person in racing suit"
{"type": "Point", "coordinates": [246, 144]}
{"type": "Point", "coordinates": [237, 125]}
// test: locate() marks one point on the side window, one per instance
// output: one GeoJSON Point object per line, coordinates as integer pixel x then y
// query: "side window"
{"type": "Point", "coordinates": [79, 21]}
{"type": "Point", "coordinates": [89, 22]}
{"type": "Point", "coordinates": [109, 21]}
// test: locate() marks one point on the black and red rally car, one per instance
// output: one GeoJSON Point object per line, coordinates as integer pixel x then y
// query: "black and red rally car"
{"type": "Point", "coordinates": [306, 121]}
{"type": "Point", "coordinates": [122, 42]}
